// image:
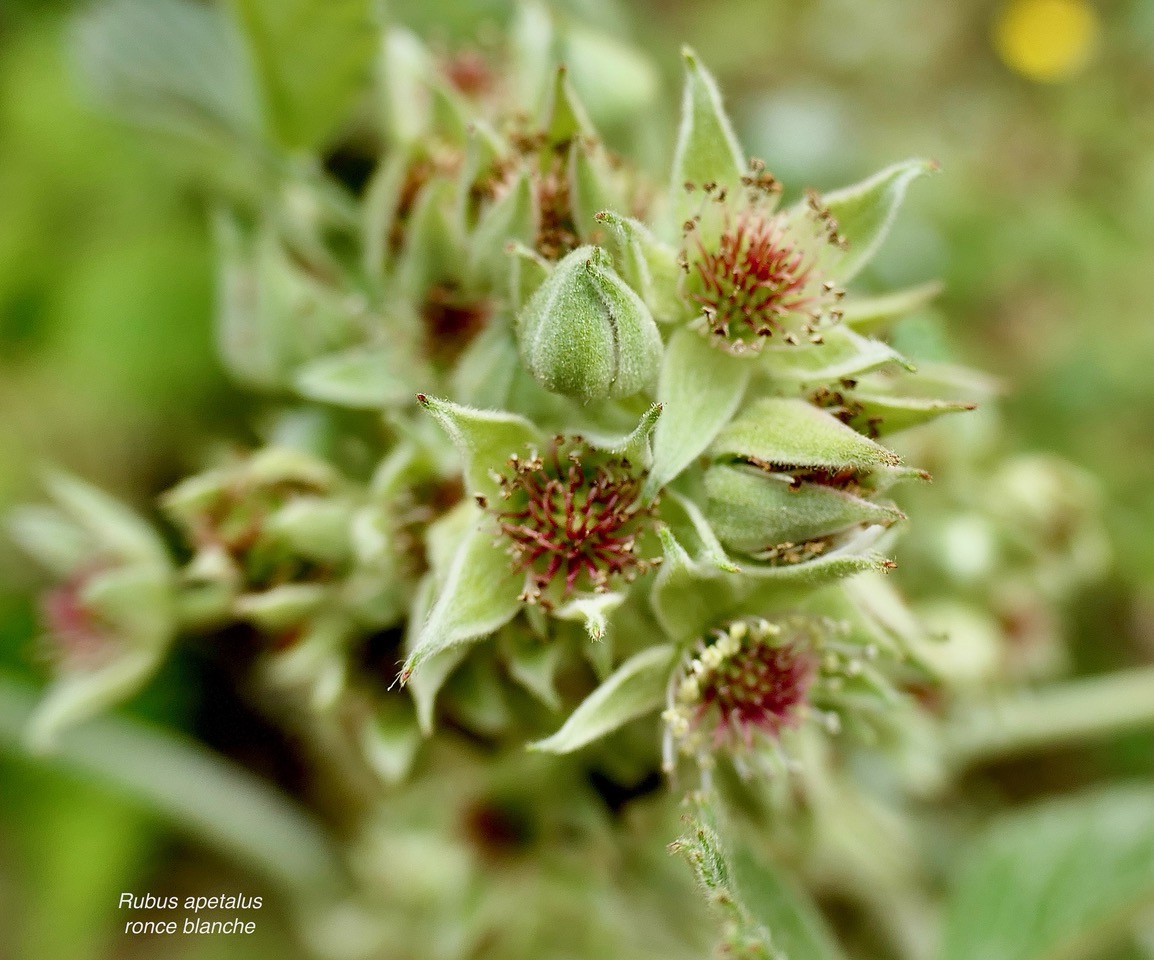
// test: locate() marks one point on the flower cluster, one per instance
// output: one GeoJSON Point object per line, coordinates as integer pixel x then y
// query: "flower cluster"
{"type": "Point", "coordinates": [539, 423]}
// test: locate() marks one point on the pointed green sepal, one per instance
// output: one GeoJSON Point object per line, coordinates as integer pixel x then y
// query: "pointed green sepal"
{"type": "Point", "coordinates": [636, 688]}
{"type": "Point", "coordinates": [751, 510]}
{"type": "Point", "coordinates": [481, 592]}
{"type": "Point", "coordinates": [691, 526]}
{"type": "Point", "coordinates": [699, 389]}
{"type": "Point", "coordinates": [433, 243]}
{"type": "Point", "coordinates": [380, 210]}
{"type": "Point", "coordinates": [477, 697]}
{"type": "Point", "coordinates": [80, 695]}
{"type": "Point", "coordinates": [452, 114]}
{"type": "Point", "coordinates": [281, 608]}
{"type": "Point", "coordinates": [882, 414]}
{"type": "Point", "coordinates": [313, 671]}
{"type": "Point", "coordinates": [865, 212]}
{"type": "Point", "coordinates": [707, 149]}
{"type": "Point", "coordinates": [564, 117]}
{"type": "Point", "coordinates": [209, 585]}
{"type": "Point", "coordinates": [784, 433]}
{"type": "Point", "coordinates": [486, 152]}
{"type": "Point", "coordinates": [486, 439]}
{"type": "Point", "coordinates": [135, 601]}
{"type": "Point", "coordinates": [689, 596]}
{"type": "Point", "coordinates": [842, 354]}
{"type": "Point", "coordinates": [424, 686]}
{"type": "Point", "coordinates": [114, 529]}
{"type": "Point", "coordinates": [426, 683]}
{"type": "Point", "coordinates": [512, 219]}
{"type": "Point", "coordinates": [618, 83]}
{"type": "Point", "coordinates": [884, 612]}
{"type": "Point", "coordinates": [851, 555]}
{"type": "Point", "coordinates": [48, 536]}
{"type": "Point", "coordinates": [273, 313]}
{"type": "Point", "coordinates": [635, 445]}
{"type": "Point", "coordinates": [869, 315]}
{"type": "Point", "coordinates": [594, 186]}
{"type": "Point", "coordinates": [390, 740]}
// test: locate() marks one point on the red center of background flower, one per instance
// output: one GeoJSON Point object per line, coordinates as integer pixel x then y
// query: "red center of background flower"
{"type": "Point", "coordinates": [761, 688]}
{"type": "Point", "coordinates": [75, 635]}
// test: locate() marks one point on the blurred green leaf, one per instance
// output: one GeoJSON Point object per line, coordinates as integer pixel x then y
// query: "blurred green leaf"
{"type": "Point", "coordinates": [799, 931]}
{"type": "Point", "coordinates": [173, 65]}
{"type": "Point", "coordinates": [1060, 880]}
{"type": "Point", "coordinates": [636, 688]}
{"type": "Point", "coordinates": [362, 378]}
{"type": "Point", "coordinates": [198, 792]}
{"type": "Point", "coordinates": [311, 57]}
{"type": "Point", "coordinates": [83, 846]}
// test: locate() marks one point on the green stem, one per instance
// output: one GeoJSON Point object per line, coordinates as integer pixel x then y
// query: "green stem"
{"type": "Point", "coordinates": [199, 792]}
{"type": "Point", "coordinates": [1055, 716]}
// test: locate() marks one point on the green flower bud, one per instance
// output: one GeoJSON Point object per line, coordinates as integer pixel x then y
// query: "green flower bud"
{"type": "Point", "coordinates": [753, 510]}
{"type": "Point", "coordinates": [317, 528]}
{"type": "Point", "coordinates": [282, 608]}
{"type": "Point", "coordinates": [586, 334]}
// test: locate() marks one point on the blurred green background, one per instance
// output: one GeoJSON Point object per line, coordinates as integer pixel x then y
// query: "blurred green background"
{"type": "Point", "coordinates": [1041, 226]}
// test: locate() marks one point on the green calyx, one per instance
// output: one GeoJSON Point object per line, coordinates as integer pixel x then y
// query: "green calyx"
{"type": "Point", "coordinates": [586, 334]}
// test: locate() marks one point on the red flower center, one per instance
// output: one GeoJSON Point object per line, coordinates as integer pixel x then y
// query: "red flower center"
{"type": "Point", "coordinates": [75, 634]}
{"type": "Point", "coordinates": [572, 523]}
{"type": "Point", "coordinates": [750, 676]}
{"type": "Point", "coordinates": [759, 689]}
{"type": "Point", "coordinates": [757, 274]}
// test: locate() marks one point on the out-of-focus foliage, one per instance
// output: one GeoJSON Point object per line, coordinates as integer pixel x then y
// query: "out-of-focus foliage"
{"type": "Point", "coordinates": [106, 367]}
{"type": "Point", "coordinates": [105, 360]}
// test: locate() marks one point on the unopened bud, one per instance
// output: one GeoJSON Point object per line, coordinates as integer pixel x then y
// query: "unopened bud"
{"type": "Point", "coordinates": [585, 334]}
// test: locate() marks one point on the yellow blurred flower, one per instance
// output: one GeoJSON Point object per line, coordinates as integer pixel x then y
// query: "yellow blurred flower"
{"type": "Point", "coordinates": [1046, 40]}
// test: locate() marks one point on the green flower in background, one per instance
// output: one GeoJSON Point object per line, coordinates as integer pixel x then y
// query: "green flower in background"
{"type": "Point", "coordinates": [109, 624]}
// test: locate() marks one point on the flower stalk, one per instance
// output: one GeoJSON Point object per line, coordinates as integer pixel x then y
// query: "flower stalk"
{"type": "Point", "coordinates": [1058, 715]}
